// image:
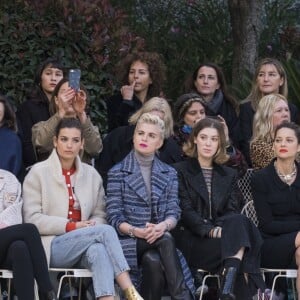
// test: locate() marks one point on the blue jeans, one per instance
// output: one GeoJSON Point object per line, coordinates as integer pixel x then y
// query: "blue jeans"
{"type": "Point", "coordinates": [96, 248]}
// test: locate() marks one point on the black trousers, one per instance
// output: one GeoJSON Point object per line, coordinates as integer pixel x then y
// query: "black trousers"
{"type": "Point", "coordinates": [160, 264]}
{"type": "Point", "coordinates": [21, 250]}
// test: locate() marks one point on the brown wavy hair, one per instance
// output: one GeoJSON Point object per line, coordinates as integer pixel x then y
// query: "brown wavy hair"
{"type": "Point", "coordinates": [190, 148]}
{"type": "Point", "coordinates": [157, 70]}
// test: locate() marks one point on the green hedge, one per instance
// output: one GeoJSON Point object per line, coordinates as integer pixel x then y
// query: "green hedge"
{"type": "Point", "coordinates": [88, 34]}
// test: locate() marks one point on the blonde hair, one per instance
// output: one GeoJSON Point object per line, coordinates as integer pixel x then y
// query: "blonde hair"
{"type": "Point", "coordinates": [148, 118]}
{"type": "Point", "coordinates": [156, 104]}
{"type": "Point", "coordinates": [255, 95]}
{"type": "Point", "coordinates": [263, 119]}
{"type": "Point", "coordinates": [190, 148]}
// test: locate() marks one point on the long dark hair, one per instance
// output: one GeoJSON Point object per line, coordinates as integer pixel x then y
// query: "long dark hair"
{"type": "Point", "coordinates": [190, 85]}
{"type": "Point", "coordinates": [9, 118]}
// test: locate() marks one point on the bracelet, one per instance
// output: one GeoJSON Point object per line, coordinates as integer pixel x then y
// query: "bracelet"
{"type": "Point", "coordinates": [131, 231]}
{"type": "Point", "coordinates": [168, 225]}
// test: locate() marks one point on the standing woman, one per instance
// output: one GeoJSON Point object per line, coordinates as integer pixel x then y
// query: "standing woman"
{"type": "Point", "coordinates": [276, 195]}
{"type": "Point", "coordinates": [21, 249]}
{"type": "Point", "coordinates": [212, 233]}
{"type": "Point", "coordinates": [64, 198]}
{"type": "Point", "coordinates": [36, 107]}
{"type": "Point", "coordinates": [142, 205]}
{"type": "Point", "coordinates": [10, 144]}
{"type": "Point", "coordinates": [269, 78]}
{"type": "Point", "coordinates": [142, 75]}
{"type": "Point", "coordinates": [272, 110]}
{"type": "Point", "coordinates": [208, 80]}
{"type": "Point", "coordinates": [65, 103]}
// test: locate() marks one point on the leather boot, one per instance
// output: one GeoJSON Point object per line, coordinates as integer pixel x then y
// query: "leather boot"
{"type": "Point", "coordinates": [228, 281]}
{"type": "Point", "coordinates": [171, 264]}
{"type": "Point", "coordinates": [132, 294]}
{"type": "Point", "coordinates": [51, 295]}
{"type": "Point", "coordinates": [153, 281]}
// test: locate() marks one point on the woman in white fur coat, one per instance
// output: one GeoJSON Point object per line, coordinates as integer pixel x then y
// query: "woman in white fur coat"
{"type": "Point", "coordinates": [64, 198]}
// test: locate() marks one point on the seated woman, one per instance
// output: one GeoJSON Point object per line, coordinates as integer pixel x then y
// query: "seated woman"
{"type": "Point", "coordinates": [142, 75]}
{"type": "Point", "coordinates": [119, 142]}
{"type": "Point", "coordinates": [66, 102]}
{"type": "Point", "coordinates": [21, 249]}
{"type": "Point", "coordinates": [269, 78]}
{"type": "Point", "coordinates": [142, 205]}
{"type": "Point", "coordinates": [272, 110]}
{"type": "Point", "coordinates": [212, 234]}
{"type": "Point", "coordinates": [276, 191]}
{"type": "Point", "coordinates": [64, 198]}
{"type": "Point", "coordinates": [10, 145]}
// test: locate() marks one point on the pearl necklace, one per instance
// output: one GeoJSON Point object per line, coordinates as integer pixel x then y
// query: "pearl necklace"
{"type": "Point", "coordinates": [286, 177]}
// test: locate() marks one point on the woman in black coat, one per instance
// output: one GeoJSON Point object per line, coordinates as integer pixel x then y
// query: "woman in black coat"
{"type": "Point", "coordinates": [212, 234]}
{"type": "Point", "coordinates": [276, 194]}
{"type": "Point", "coordinates": [36, 107]}
{"type": "Point", "coordinates": [142, 75]}
{"type": "Point", "coordinates": [208, 80]}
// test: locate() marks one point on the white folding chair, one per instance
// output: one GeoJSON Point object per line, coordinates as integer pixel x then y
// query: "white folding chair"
{"type": "Point", "coordinates": [71, 273]}
{"type": "Point", "coordinates": [7, 274]}
{"type": "Point", "coordinates": [206, 276]}
{"type": "Point", "coordinates": [249, 211]}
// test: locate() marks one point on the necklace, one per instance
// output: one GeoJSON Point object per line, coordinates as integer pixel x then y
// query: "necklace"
{"type": "Point", "coordinates": [286, 177]}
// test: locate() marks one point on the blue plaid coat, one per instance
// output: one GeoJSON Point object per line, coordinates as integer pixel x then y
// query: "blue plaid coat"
{"type": "Point", "coordinates": [128, 201]}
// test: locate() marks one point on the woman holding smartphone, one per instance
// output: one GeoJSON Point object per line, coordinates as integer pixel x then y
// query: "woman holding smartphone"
{"type": "Point", "coordinates": [66, 102]}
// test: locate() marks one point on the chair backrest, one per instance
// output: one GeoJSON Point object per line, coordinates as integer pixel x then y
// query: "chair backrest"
{"type": "Point", "coordinates": [244, 185]}
{"type": "Point", "coordinates": [250, 212]}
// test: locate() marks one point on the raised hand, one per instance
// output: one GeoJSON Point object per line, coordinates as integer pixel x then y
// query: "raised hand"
{"type": "Point", "coordinates": [127, 91]}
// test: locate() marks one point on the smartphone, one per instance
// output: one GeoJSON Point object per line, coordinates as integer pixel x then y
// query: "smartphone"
{"type": "Point", "coordinates": [74, 79]}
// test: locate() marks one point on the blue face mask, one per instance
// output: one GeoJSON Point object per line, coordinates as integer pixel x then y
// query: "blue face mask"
{"type": "Point", "coordinates": [187, 129]}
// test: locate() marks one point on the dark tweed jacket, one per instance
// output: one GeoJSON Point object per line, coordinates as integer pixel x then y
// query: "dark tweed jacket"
{"type": "Point", "coordinates": [127, 201]}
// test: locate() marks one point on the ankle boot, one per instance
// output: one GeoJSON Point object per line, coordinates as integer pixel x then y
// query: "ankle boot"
{"type": "Point", "coordinates": [228, 281]}
{"type": "Point", "coordinates": [132, 294]}
{"type": "Point", "coordinates": [47, 295]}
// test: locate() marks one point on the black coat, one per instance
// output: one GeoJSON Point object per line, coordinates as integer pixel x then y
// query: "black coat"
{"type": "Point", "coordinates": [29, 113]}
{"type": "Point", "coordinates": [277, 204]}
{"type": "Point", "coordinates": [120, 110]}
{"type": "Point", "coordinates": [246, 126]}
{"type": "Point", "coordinates": [194, 198]}
{"type": "Point", "coordinates": [118, 143]}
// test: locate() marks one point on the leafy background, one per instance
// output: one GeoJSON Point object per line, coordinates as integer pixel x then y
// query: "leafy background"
{"type": "Point", "coordinates": [95, 34]}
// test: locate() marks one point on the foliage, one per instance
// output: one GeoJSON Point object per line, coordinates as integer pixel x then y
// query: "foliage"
{"type": "Point", "coordinates": [185, 33]}
{"type": "Point", "coordinates": [88, 34]}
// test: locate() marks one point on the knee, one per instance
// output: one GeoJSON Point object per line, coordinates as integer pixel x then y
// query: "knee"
{"type": "Point", "coordinates": [167, 240]}
{"type": "Point", "coordinates": [107, 230]}
{"type": "Point", "coordinates": [18, 249]}
{"type": "Point", "coordinates": [151, 260]}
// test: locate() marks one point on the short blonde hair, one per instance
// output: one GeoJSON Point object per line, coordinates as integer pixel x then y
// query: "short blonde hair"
{"type": "Point", "coordinates": [190, 148]}
{"type": "Point", "coordinates": [158, 104]}
{"type": "Point", "coordinates": [263, 119]}
{"type": "Point", "coordinates": [148, 118]}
